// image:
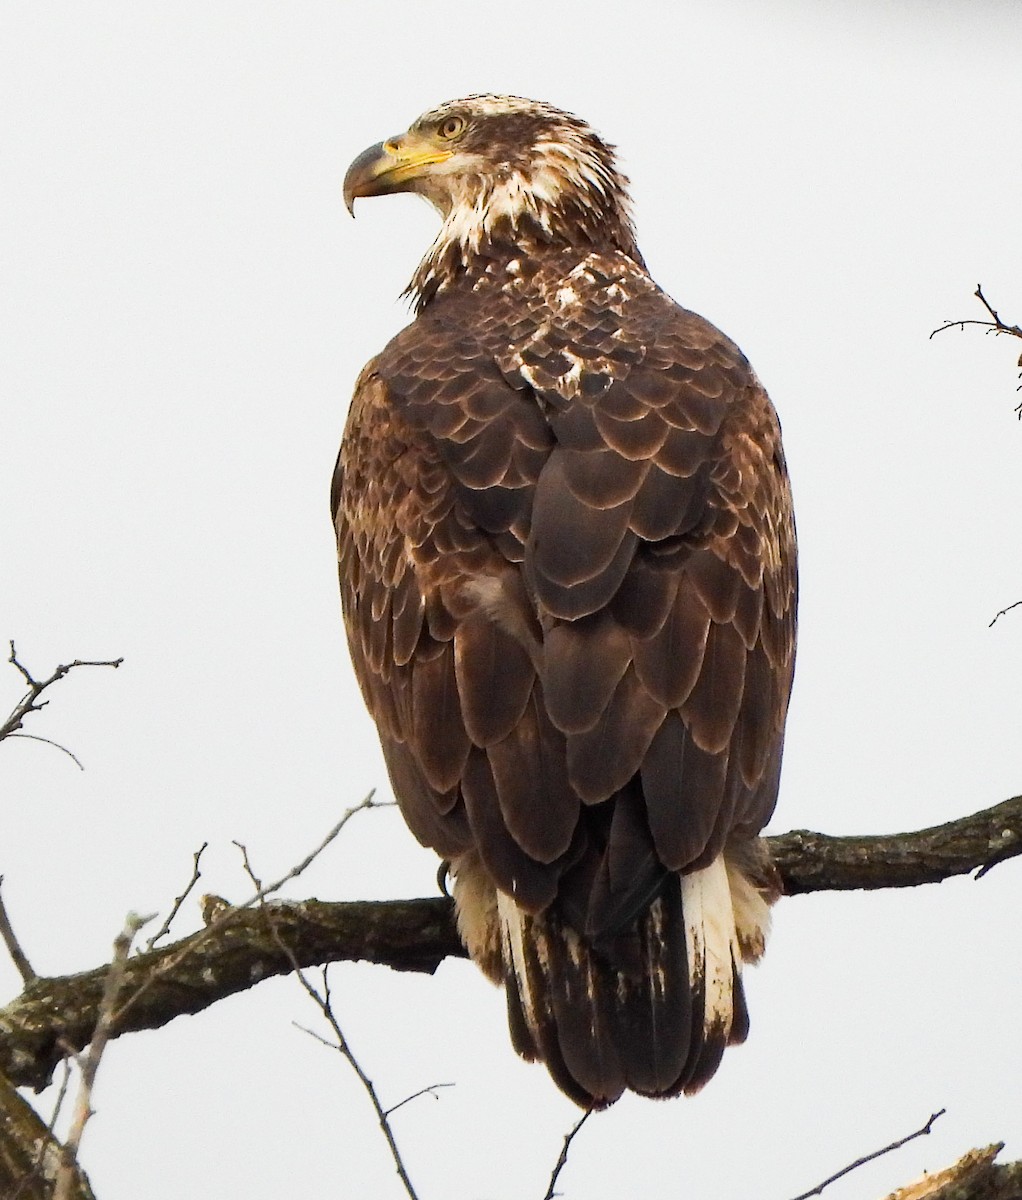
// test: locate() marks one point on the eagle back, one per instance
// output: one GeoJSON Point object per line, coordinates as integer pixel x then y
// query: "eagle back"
{"type": "Point", "coordinates": [562, 505]}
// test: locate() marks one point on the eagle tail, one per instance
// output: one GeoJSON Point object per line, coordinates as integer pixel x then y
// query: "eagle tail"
{"type": "Point", "coordinates": [650, 1009]}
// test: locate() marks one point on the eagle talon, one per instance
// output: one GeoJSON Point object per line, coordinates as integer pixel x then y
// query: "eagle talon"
{"type": "Point", "coordinates": [443, 874]}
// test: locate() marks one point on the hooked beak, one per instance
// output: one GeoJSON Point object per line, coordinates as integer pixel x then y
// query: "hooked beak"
{"type": "Point", "coordinates": [390, 166]}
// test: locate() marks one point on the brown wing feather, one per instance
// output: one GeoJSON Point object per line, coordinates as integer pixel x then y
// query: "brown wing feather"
{"type": "Point", "coordinates": [567, 559]}
{"type": "Point", "coordinates": [651, 519]}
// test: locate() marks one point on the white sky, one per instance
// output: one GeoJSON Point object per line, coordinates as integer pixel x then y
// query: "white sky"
{"type": "Point", "coordinates": [184, 306]}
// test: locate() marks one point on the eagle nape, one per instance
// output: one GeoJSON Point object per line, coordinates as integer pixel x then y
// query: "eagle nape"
{"type": "Point", "coordinates": [568, 577]}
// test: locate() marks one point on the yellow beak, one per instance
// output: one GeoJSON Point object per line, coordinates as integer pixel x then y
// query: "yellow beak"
{"type": "Point", "coordinates": [390, 166]}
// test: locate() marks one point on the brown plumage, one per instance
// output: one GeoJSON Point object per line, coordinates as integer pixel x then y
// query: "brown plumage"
{"type": "Point", "coordinates": [567, 562]}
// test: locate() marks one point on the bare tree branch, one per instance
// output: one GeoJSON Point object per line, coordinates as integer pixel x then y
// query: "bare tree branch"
{"type": "Point", "coordinates": [816, 862]}
{"type": "Point", "coordinates": [236, 951]}
{"type": "Point", "coordinates": [323, 1002]}
{"type": "Point", "coordinates": [35, 737]}
{"type": "Point", "coordinates": [29, 1153]}
{"type": "Point", "coordinates": [998, 616]}
{"type": "Point", "coordinates": [562, 1158]}
{"type": "Point", "coordinates": [343, 1046]}
{"type": "Point", "coordinates": [189, 975]}
{"type": "Point", "coordinates": [866, 1158]}
{"type": "Point", "coordinates": [30, 703]}
{"type": "Point", "coordinates": [164, 929]}
{"type": "Point", "coordinates": [995, 325]}
{"type": "Point", "coordinates": [430, 1090]}
{"type": "Point", "coordinates": [974, 1177]}
{"type": "Point", "coordinates": [227, 916]}
{"type": "Point", "coordinates": [67, 1173]}
{"type": "Point", "coordinates": [48, 1151]}
{"type": "Point", "coordinates": [13, 945]}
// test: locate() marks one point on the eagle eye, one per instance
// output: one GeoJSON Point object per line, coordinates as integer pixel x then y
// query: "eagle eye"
{"type": "Point", "coordinates": [451, 128]}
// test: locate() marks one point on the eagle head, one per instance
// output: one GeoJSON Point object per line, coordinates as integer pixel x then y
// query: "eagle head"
{"type": "Point", "coordinates": [501, 170]}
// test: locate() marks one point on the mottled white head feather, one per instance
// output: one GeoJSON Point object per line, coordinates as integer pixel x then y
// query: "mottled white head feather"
{"type": "Point", "coordinates": [522, 171]}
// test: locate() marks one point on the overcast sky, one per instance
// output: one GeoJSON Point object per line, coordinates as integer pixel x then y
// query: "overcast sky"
{"type": "Point", "coordinates": [184, 307]}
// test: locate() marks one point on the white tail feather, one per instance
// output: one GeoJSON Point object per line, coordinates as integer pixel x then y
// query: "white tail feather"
{"type": "Point", "coordinates": [603, 1024]}
{"type": "Point", "coordinates": [512, 938]}
{"type": "Point", "coordinates": [712, 940]}
{"type": "Point", "coordinates": [752, 913]}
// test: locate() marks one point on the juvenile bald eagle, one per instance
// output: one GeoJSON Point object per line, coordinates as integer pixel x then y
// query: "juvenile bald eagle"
{"type": "Point", "coordinates": [567, 563]}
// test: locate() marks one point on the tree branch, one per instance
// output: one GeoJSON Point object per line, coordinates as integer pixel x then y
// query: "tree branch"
{"type": "Point", "coordinates": [816, 862]}
{"type": "Point", "coordinates": [18, 956]}
{"type": "Point", "coordinates": [871, 1157]}
{"type": "Point", "coordinates": [66, 1184]}
{"type": "Point", "coordinates": [562, 1158]}
{"type": "Point", "coordinates": [29, 702]}
{"type": "Point", "coordinates": [175, 908]}
{"type": "Point", "coordinates": [1003, 612]}
{"type": "Point", "coordinates": [324, 1003]}
{"type": "Point", "coordinates": [416, 935]}
{"type": "Point", "coordinates": [411, 935]}
{"type": "Point", "coordinates": [974, 1177]}
{"type": "Point", "coordinates": [995, 325]}
{"type": "Point", "coordinates": [29, 1153]}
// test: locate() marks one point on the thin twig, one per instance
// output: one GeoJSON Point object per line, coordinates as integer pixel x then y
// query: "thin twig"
{"type": "Point", "coordinates": [325, 1041]}
{"type": "Point", "coordinates": [216, 926]}
{"type": "Point", "coordinates": [51, 1140]}
{"type": "Point", "coordinates": [322, 1002]}
{"type": "Point", "coordinates": [369, 802]}
{"type": "Point", "coordinates": [431, 1090]}
{"type": "Point", "coordinates": [1002, 612]}
{"type": "Point", "coordinates": [35, 737]}
{"type": "Point", "coordinates": [1001, 326]}
{"type": "Point", "coordinates": [870, 1157]}
{"type": "Point", "coordinates": [65, 1083]}
{"type": "Point", "coordinates": [164, 929]}
{"type": "Point", "coordinates": [256, 882]}
{"type": "Point", "coordinates": [342, 1045]}
{"type": "Point", "coordinates": [28, 703]}
{"type": "Point", "coordinates": [995, 326]}
{"type": "Point", "coordinates": [562, 1158]}
{"type": "Point", "coordinates": [14, 949]}
{"type": "Point", "coordinates": [89, 1063]}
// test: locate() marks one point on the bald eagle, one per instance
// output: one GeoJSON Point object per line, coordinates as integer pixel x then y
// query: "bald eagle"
{"type": "Point", "coordinates": [567, 565]}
